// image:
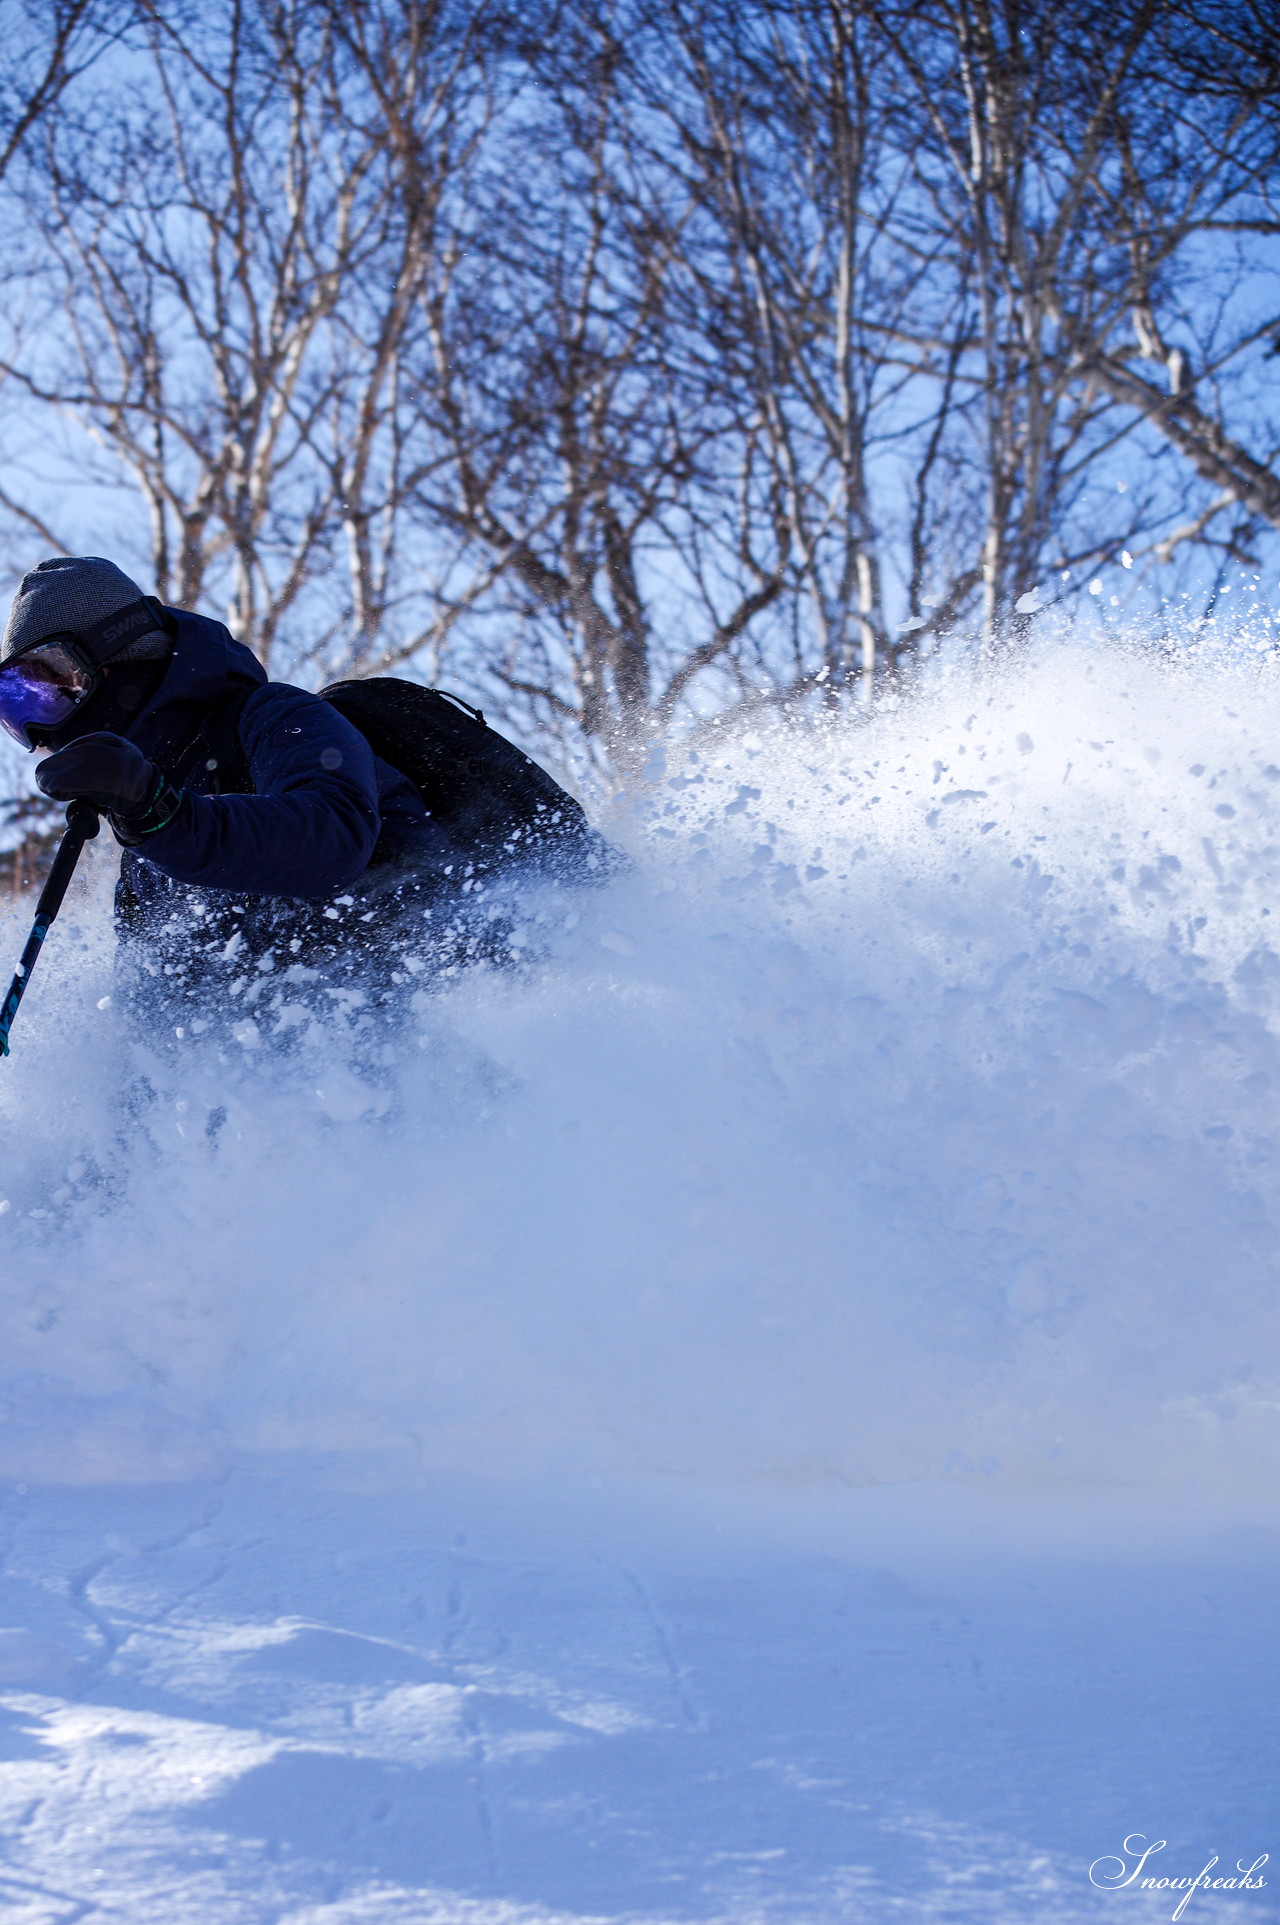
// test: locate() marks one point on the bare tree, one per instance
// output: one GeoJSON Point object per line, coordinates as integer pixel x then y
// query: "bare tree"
{"type": "Point", "coordinates": [241, 266]}
{"type": "Point", "coordinates": [1079, 175]}
{"type": "Point", "coordinates": [48, 46]}
{"type": "Point", "coordinates": [783, 137]}
{"type": "Point", "coordinates": [46, 49]}
{"type": "Point", "coordinates": [1197, 150]}
{"type": "Point", "coordinates": [949, 230]}
{"type": "Point", "coordinates": [629, 535]}
{"type": "Point", "coordinates": [650, 360]}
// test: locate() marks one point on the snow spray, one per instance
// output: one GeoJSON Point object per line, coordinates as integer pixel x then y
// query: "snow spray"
{"type": "Point", "coordinates": [910, 1112]}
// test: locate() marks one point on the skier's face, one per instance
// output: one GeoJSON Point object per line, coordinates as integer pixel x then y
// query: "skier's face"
{"type": "Point", "coordinates": [40, 688]}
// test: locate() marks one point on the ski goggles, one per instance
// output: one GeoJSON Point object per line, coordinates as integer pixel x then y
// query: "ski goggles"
{"type": "Point", "coordinates": [42, 687]}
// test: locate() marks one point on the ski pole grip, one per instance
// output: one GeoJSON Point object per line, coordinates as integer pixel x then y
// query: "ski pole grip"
{"type": "Point", "coordinates": [83, 815]}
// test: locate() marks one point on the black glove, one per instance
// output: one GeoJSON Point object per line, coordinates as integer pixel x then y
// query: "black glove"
{"type": "Point", "coordinates": [116, 778]}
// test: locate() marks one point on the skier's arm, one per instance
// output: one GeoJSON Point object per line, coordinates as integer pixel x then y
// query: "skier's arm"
{"type": "Point", "coordinates": [311, 827]}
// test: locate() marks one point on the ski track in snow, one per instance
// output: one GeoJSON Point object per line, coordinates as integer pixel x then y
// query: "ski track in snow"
{"type": "Point", "coordinates": [269, 1700]}
{"type": "Point", "coordinates": [770, 1413]}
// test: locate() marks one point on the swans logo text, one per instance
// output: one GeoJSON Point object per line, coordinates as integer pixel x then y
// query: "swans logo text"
{"type": "Point", "coordinates": [1113, 1874]}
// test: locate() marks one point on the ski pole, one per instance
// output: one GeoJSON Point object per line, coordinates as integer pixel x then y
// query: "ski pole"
{"type": "Point", "coordinates": [82, 826]}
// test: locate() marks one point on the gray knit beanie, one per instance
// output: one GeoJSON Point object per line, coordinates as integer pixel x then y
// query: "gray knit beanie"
{"type": "Point", "coordinates": [74, 592]}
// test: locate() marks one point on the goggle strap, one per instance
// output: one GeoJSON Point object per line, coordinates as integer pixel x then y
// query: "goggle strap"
{"type": "Point", "coordinates": [103, 640]}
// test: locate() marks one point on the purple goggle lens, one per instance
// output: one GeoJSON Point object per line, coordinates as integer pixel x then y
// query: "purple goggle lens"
{"type": "Point", "coordinates": [39, 690]}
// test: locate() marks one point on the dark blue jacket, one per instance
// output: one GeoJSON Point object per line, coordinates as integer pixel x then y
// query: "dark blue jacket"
{"type": "Point", "coordinates": [322, 800]}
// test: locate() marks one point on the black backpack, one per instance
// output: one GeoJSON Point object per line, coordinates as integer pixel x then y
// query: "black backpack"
{"type": "Point", "coordinates": [494, 801]}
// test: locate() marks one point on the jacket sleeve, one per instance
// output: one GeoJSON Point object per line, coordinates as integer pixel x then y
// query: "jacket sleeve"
{"type": "Point", "coordinates": [311, 827]}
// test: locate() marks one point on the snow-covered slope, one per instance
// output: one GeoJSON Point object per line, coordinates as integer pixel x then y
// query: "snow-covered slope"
{"type": "Point", "coordinates": [896, 1144]}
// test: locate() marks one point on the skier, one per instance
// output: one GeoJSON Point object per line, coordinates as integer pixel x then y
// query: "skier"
{"type": "Point", "coordinates": [259, 826]}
